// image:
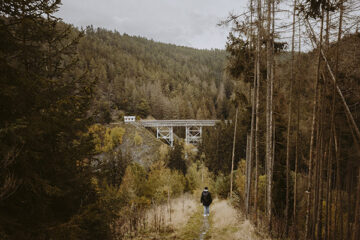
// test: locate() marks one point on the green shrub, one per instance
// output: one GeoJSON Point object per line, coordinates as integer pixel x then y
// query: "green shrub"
{"type": "Point", "coordinates": [222, 186]}
{"type": "Point", "coordinates": [198, 177]}
{"type": "Point", "coordinates": [138, 139]}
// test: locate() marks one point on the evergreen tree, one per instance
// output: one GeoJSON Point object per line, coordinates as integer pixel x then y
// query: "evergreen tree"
{"type": "Point", "coordinates": [43, 115]}
{"type": "Point", "coordinates": [143, 108]}
{"type": "Point", "coordinates": [176, 160]}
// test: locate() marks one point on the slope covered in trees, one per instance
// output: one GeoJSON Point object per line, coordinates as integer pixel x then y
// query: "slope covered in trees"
{"type": "Point", "coordinates": [143, 77]}
{"type": "Point", "coordinates": [64, 174]}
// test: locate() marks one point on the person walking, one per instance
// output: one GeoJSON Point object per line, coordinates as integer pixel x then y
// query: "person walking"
{"type": "Point", "coordinates": [206, 200]}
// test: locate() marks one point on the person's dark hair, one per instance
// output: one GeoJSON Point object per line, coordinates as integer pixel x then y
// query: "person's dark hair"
{"type": "Point", "coordinates": [206, 188]}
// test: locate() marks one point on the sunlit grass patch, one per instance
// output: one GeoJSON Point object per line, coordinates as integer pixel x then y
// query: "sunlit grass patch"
{"type": "Point", "coordinates": [191, 230]}
{"type": "Point", "coordinates": [193, 227]}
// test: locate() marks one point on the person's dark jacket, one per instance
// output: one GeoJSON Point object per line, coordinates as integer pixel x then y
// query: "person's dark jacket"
{"type": "Point", "coordinates": [206, 199]}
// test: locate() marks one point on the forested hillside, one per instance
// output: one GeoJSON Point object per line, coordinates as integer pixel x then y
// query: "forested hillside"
{"type": "Point", "coordinates": [143, 77]}
{"type": "Point", "coordinates": [286, 158]}
{"type": "Point", "coordinates": [138, 76]}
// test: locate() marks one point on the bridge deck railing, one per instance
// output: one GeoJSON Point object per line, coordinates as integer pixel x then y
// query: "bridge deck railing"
{"type": "Point", "coordinates": [178, 123]}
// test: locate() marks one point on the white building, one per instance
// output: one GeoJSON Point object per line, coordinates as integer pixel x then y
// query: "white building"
{"type": "Point", "coordinates": [129, 119]}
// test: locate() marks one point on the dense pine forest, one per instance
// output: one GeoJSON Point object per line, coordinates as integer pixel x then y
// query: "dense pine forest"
{"type": "Point", "coordinates": [282, 163]}
{"type": "Point", "coordinates": [143, 77]}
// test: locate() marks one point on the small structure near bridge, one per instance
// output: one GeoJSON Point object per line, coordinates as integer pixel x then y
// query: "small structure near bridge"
{"type": "Point", "coordinates": [129, 119]}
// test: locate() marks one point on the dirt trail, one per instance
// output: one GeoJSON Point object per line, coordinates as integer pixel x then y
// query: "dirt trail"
{"type": "Point", "coordinates": [229, 224]}
{"type": "Point", "coordinates": [204, 228]}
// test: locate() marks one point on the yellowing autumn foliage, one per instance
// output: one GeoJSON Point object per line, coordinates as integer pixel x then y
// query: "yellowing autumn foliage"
{"type": "Point", "coordinates": [163, 182]}
{"type": "Point", "coordinates": [198, 177]}
{"type": "Point", "coordinates": [240, 178]}
{"type": "Point", "coordinates": [106, 138]}
{"type": "Point", "coordinates": [163, 152]}
{"type": "Point", "coordinates": [138, 139]}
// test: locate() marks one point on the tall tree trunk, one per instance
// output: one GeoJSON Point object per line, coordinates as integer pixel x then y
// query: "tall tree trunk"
{"type": "Point", "coordinates": [247, 171]}
{"type": "Point", "coordinates": [268, 114]}
{"type": "Point", "coordinates": [317, 161]}
{"type": "Point", "coordinates": [329, 210]}
{"type": "Point", "coordinates": [338, 183]}
{"type": "Point", "coordinates": [273, 64]}
{"type": "Point", "coordinates": [322, 154]}
{"type": "Point", "coordinates": [327, 41]}
{"type": "Point", "coordinates": [328, 189]}
{"type": "Point", "coordinates": [233, 153]}
{"type": "Point", "coordinates": [336, 144]}
{"type": "Point", "coordinates": [315, 107]}
{"type": "Point", "coordinates": [247, 174]}
{"type": "Point", "coordinates": [252, 129]}
{"type": "Point", "coordinates": [297, 144]}
{"type": "Point", "coordinates": [338, 196]}
{"type": "Point", "coordinates": [320, 211]}
{"type": "Point", "coordinates": [289, 124]}
{"type": "Point", "coordinates": [258, 41]}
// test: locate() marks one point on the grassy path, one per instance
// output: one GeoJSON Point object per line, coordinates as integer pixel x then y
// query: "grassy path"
{"type": "Point", "coordinates": [188, 223]}
{"type": "Point", "coordinates": [196, 228]}
{"type": "Point", "coordinates": [224, 223]}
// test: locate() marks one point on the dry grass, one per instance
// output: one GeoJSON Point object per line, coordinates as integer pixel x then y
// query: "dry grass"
{"type": "Point", "coordinates": [223, 214]}
{"type": "Point", "coordinates": [229, 224]}
{"type": "Point", "coordinates": [226, 223]}
{"type": "Point", "coordinates": [181, 209]}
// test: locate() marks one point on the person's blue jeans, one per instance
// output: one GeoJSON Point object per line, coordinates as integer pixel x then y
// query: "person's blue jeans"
{"type": "Point", "coordinates": [206, 210]}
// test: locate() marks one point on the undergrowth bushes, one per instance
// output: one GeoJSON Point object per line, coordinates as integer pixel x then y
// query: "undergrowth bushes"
{"type": "Point", "coordinates": [126, 205]}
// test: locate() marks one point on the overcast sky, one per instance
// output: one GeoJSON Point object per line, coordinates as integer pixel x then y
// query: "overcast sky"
{"type": "Point", "coordinates": [190, 23]}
